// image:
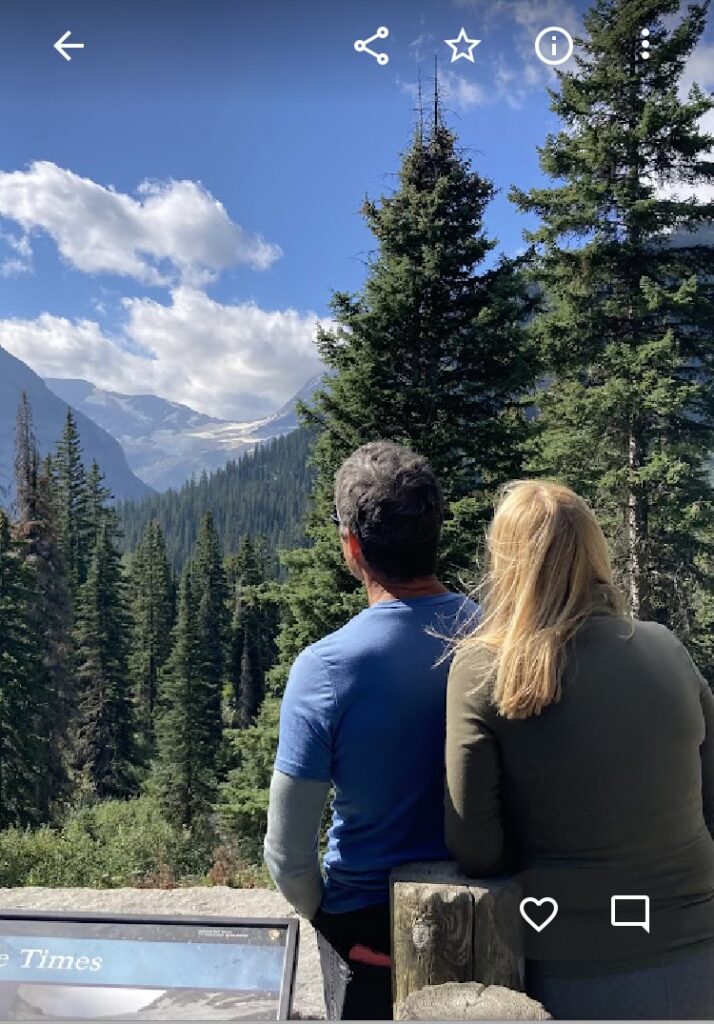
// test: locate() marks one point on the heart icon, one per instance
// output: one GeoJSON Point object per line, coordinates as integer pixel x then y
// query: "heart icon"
{"type": "Point", "coordinates": [548, 901]}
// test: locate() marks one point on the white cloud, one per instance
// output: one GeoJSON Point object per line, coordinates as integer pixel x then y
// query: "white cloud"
{"type": "Point", "coordinates": [456, 91]}
{"type": "Point", "coordinates": [515, 78]}
{"type": "Point", "coordinates": [171, 230]}
{"type": "Point", "coordinates": [531, 15]}
{"type": "Point", "coordinates": [230, 361]}
{"type": "Point", "coordinates": [19, 258]}
{"type": "Point", "coordinates": [699, 70]}
{"type": "Point", "coordinates": [459, 92]}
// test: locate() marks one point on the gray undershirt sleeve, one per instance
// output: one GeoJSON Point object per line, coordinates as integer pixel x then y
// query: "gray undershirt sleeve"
{"type": "Point", "coordinates": [291, 846]}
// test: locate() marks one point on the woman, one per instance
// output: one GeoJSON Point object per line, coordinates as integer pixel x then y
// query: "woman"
{"type": "Point", "coordinates": [580, 754]}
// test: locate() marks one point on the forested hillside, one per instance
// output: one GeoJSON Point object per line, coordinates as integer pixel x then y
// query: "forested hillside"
{"type": "Point", "coordinates": [118, 681]}
{"type": "Point", "coordinates": [265, 492]}
{"type": "Point", "coordinates": [139, 695]}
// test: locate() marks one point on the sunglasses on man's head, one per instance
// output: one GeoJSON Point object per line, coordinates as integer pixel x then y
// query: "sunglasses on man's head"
{"type": "Point", "coordinates": [335, 517]}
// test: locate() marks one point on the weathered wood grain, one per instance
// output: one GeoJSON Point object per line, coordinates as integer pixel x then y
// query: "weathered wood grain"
{"type": "Point", "coordinates": [447, 927]}
{"type": "Point", "coordinates": [432, 936]}
{"type": "Point", "coordinates": [498, 934]}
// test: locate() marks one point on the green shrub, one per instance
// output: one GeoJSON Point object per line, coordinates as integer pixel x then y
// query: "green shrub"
{"type": "Point", "coordinates": [115, 843]}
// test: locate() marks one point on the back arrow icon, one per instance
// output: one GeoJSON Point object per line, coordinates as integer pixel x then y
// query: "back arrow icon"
{"type": "Point", "coordinates": [61, 46]}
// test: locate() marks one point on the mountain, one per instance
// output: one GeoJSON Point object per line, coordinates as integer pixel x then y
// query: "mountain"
{"type": "Point", "coordinates": [264, 492]}
{"type": "Point", "coordinates": [49, 413]}
{"type": "Point", "coordinates": [126, 415]}
{"type": "Point", "coordinates": [167, 443]}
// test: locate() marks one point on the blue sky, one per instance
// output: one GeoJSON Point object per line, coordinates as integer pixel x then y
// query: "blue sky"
{"type": "Point", "coordinates": [117, 264]}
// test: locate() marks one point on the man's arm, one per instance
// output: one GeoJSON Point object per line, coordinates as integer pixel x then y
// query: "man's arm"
{"type": "Point", "coordinates": [300, 784]}
{"type": "Point", "coordinates": [292, 841]}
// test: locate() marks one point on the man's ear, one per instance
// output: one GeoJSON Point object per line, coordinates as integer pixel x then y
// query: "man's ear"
{"type": "Point", "coordinates": [353, 546]}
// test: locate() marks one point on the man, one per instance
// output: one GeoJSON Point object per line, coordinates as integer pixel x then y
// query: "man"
{"type": "Point", "coordinates": [364, 711]}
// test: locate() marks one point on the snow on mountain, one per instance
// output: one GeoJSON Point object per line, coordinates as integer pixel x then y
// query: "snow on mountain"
{"type": "Point", "coordinates": [166, 443]}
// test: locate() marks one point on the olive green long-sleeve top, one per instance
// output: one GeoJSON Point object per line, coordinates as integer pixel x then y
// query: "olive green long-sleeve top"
{"type": "Point", "coordinates": [608, 792]}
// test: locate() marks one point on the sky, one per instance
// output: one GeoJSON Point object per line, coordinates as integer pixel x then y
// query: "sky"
{"type": "Point", "coordinates": [179, 200]}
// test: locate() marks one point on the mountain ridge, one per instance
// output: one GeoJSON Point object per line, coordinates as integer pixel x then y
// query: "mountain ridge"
{"type": "Point", "coordinates": [49, 412]}
{"type": "Point", "coordinates": [167, 443]}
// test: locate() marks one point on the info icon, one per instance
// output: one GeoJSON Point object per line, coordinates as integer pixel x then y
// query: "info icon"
{"type": "Point", "coordinates": [554, 45]}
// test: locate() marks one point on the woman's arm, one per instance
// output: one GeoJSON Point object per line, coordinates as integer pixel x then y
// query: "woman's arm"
{"type": "Point", "coordinates": [474, 828]}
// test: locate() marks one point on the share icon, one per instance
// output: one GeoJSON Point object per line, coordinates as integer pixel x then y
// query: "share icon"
{"type": "Point", "coordinates": [362, 46]}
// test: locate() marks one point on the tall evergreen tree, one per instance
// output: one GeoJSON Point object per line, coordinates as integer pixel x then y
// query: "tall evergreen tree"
{"type": "Point", "coordinates": [104, 752]}
{"type": "Point", "coordinates": [628, 418]}
{"type": "Point", "coordinates": [27, 464]}
{"type": "Point", "coordinates": [253, 628]}
{"type": "Point", "coordinates": [432, 353]}
{"type": "Point", "coordinates": [97, 507]}
{"type": "Point", "coordinates": [151, 604]}
{"type": "Point", "coordinates": [51, 611]}
{"type": "Point", "coordinates": [21, 746]}
{"type": "Point", "coordinates": [250, 680]}
{"type": "Point", "coordinates": [70, 486]}
{"type": "Point", "coordinates": [211, 611]}
{"type": "Point", "coordinates": [185, 769]}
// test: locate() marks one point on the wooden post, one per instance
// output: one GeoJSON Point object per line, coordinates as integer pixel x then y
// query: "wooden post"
{"type": "Point", "coordinates": [447, 927]}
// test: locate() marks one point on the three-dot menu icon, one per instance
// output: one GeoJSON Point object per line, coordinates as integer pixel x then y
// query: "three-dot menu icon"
{"type": "Point", "coordinates": [645, 44]}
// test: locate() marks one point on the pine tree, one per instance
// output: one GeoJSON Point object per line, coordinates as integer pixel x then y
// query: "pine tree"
{"type": "Point", "coordinates": [104, 753]}
{"type": "Point", "coordinates": [628, 416]}
{"type": "Point", "coordinates": [253, 628]}
{"type": "Point", "coordinates": [22, 750]}
{"type": "Point", "coordinates": [97, 506]}
{"type": "Point", "coordinates": [211, 610]}
{"type": "Point", "coordinates": [432, 353]}
{"type": "Point", "coordinates": [51, 612]}
{"type": "Point", "coordinates": [71, 504]}
{"type": "Point", "coordinates": [250, 687]}
{"type": "Point", "coordinates": [27, 464]}
{"type": "Point", "coordinates": [185, 769]}
{"type": "Point", "coordinates": [151, 603]}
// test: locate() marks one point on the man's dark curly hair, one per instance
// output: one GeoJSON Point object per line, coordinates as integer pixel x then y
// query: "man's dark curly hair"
{"type": "Point", "coordinates": [389, 498]}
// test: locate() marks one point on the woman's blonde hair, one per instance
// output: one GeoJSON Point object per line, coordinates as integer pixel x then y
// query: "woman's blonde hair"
{"type": "Point", "coordinates": [547, 570]}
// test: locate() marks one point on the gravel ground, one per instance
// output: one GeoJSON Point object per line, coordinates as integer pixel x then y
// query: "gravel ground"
{"type": "Point", "coordinates": [219, 901]}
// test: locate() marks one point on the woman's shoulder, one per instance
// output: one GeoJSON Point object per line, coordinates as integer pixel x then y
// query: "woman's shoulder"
{"type": "Point", "coordinates": [471, 671]}
{"type": "Point", "coordinates": [472, 656]}
{"type": "Point", "coordinates": [652, 639]}
{"type": "Point", "coordinates": [657, 633]}
{"type": "Point", "coordinates": [625, 627]}
{"type": "Point", "coordinates": [628, 627]}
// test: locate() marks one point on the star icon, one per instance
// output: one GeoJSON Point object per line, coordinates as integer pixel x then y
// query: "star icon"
{"type": "Point", "coordinates": [462, 46]}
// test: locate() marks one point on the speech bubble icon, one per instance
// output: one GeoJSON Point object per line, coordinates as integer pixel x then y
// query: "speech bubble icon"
{"type": "Point", "coordinates": [630, 912]}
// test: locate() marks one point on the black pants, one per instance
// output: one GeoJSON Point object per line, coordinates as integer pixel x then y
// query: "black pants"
{"type": "Point", "coordinates": [355, 955]}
